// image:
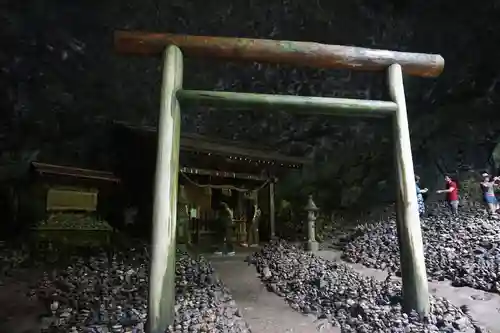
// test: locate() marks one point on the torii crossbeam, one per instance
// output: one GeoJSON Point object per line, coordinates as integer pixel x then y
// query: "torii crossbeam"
{"type": "Point", "coordinates": [161, 290]}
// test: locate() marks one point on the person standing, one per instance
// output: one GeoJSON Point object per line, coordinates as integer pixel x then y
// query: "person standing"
{"type": "Point", "coordinates": [420, 197]}
{"type": "Point", "coordinates": [183, 234]}
{"type": "Point", "coordinates": [488, 186]}
{"type": "Point", "coordinates": [253, 227]}
{"type": "Point", "coordinates": [226, 230]}
{"type": "Point", "coordinates": [451, 194]}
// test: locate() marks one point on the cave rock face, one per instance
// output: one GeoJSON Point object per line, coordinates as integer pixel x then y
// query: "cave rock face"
{"type": "Point", "coordinates": [60, 77]}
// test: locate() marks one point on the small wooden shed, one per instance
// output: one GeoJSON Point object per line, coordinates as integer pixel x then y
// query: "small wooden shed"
{"type": "Point", "coordinates": [70, 202]}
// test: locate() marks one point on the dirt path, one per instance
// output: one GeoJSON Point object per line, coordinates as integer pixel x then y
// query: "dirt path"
{"type": "Point", "coordinates": [18, 312]}
{"type": "Point", "coordinates": [264, 311]}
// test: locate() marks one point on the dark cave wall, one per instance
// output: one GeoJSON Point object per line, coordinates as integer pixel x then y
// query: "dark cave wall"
{"type": "Point", "coordinates": [61, 82]}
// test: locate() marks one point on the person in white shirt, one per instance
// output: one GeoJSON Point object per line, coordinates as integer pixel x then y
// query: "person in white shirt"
{"type": "Point", "coordinates": [226, 232]}
{"type": "Point", "coordinates": [253, 227]}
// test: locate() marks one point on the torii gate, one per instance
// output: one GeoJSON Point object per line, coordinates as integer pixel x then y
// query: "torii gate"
{"type": "Point", "coordinates": [161, 289]}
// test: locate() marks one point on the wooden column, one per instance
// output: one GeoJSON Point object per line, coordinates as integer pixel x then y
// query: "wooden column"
{"type": "Point", "coordinates": [162, 275]}
{"type": "Point", "coordinates": [272, 210]}
{"type": "Point", "coordinates": [415, 287]}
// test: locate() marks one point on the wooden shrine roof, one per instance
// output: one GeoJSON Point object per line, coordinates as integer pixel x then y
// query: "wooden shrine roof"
{"type": "Point", "coordinates": [59, 170]}
{"type": "Point", "coordinates": [232, 149]}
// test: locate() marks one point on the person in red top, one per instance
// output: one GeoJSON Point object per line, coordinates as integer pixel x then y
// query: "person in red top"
{"type": "Point", "coordinates": [451, 194]}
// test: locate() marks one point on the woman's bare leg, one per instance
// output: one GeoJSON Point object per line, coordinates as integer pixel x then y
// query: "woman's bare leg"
{"type": "Point", "coordinates": [492, 208]}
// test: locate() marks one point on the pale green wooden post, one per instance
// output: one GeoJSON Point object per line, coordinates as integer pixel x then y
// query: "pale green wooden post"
{"type": "Point", "coordinates": [414, 275]}
{"type": "Point", "coordinates": [272, 210]}
{"type": "Point", "coordinates": [162, 275]}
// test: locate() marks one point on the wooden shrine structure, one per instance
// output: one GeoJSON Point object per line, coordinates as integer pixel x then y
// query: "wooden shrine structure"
{"type": "Point", "coordinates": [207, 167]}
{"type": "Point", "coordinates": [68, 204]}
{"type": "Point", "coordinates": [173, 96]}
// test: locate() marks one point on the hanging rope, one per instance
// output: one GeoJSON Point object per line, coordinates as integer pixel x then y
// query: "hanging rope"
{"type": "Point", "coordinates": [230, 187]}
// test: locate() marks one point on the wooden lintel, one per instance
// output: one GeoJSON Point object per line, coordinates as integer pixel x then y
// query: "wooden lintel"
{"type": "Point", "coordinates": [209, 145]}
{"type": "Point", "coordinates": [222, 174]}
{"type": "Point", "coordinates": [239, 154]}
{"type": "Point", "coordinates": [311, 104]}
{"type": "Point", "coordinates": [59, 170]}
{"type": "Point", "coordinates": [283, 52]}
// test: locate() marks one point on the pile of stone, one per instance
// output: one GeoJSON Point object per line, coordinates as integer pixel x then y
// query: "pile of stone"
{"type": "Point", "coordinates": [463, 249]}
{"type": "Point", "coordinates": [98, 294]}
{"type": "Point", "coordinates": [339, 296]}
{"type": "Point", "coordinates": [11, 259]}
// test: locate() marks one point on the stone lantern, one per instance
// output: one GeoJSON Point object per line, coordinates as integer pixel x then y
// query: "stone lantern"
{"type": "Point", "coordinates": [312, 210]}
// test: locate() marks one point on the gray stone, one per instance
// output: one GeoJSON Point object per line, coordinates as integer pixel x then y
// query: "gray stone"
{"type": "Point", "coordinates": [335, 293]}
{"type": "Point", "coordinates": [312, 246]}
{"type": "Point", "coordinates": [467, 256]}
{"type": "Point", "coordinates": [113, 293]}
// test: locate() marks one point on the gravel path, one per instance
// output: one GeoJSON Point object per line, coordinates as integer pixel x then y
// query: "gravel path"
{"type": "Point", "coordinates": [264, 311]}
{"type": "Point", "coordinates": [355, 302]}
{"type": "Point", "coordinates": [484, 307]}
